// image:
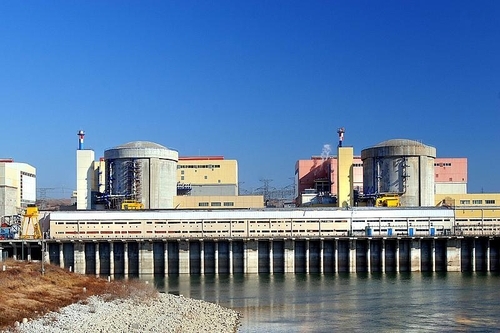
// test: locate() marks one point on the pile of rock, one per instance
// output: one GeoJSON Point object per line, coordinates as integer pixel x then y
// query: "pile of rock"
{"type": "Point", "coordinates": [165, 313]}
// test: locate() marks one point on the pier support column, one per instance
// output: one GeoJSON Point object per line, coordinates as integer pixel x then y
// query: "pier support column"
{"type": "Point", "coordinates": [352, 256]}
{"type": "Point", "coordinates": [111, 259]}
{"type": "Point", "coordinates": [146, 260]}
{"type": "Point", "coordinates": [271, 257]}
{"type": "Point", "coordinates": [61, 255]}
{"type": "Point", "coordinates": [321, 256]}
{"type": "Point", "coordinates": [383, 255]}
{"type": "Point", "coordinates": [488, 255]}
{"type": "Point", "coordinates": [337, 266]}
{"type": "Point", "coordinates": [97, 260]}
{"type": "Point", "coordinates": [474, 244]}
{"type": "Point", "coordinates": [453, 255]}
{"type": "Point", "coordinates": [252, 256]}
{"type": "Point", "coordinates": [289, 256]}
{"type": "Point", "coordinates": [230, 257]}
{"type": "Point", "coordinates": [79, 256]}
{"type": "Point", "coordinates": [415, 256]}
{"type": "Point", "coordinates": [368, 256]}
{"type": "Point", "coordinates": [397, 255]}
{"type": "Point", "coordinates": [307, 257]}
{"type": "Point", "coordinates": [125, 259]}
{"type": "Point", "coordinates": [165, 257]}
{"type": "Point", "coordinates": [434, 255]}
{"type": "Point", "coordinates": [202, 257]}
{"type": "Point", "coordinates": [184, 257]}
{"type": "Point", "coordinates": [216, 257]}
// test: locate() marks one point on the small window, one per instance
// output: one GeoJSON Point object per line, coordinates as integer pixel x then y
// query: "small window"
{"type": "Point", "coordinates": [203, 204]}
{"type": "Point", "coordinates": [206, 177]}
{"type": "Point", "coordinates": [182, 177]}
{"type": "Point", "coordinates": [230, 204]}
{"type": "Point", "coordinates": [182, 172]}
{"type": "Point", "coordinates": [465, 202]}
{"type": "Point", "coordinates": [215, 204]}
{"type": "Point", "coordinates": [477, 202]}
{"type": "Point", "coordinates": [489, 202]}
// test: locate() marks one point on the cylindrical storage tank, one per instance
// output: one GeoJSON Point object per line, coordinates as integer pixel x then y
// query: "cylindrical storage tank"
{"type": "Point", "coordinates": [143, 171]}
{"type": "Point", "coordinates": [403, 167]}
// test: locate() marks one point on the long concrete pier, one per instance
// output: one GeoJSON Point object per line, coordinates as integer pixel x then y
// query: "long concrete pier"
{"type": "Point", "coordinates": [354, 254]}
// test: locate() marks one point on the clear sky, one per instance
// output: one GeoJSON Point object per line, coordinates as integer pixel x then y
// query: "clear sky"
{"type": "Point", "coordinates": [264, 82]}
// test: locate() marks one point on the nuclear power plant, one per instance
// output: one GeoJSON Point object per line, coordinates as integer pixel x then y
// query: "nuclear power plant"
{"type": "Point", "coordinates": [401, 167]}
{"type": "Point", "coordinates": [396, 172]}
{"type": "Point", "coordinates": [142, 171]}
{"type": "Point", "coordinates": [147, 175]}
{"type": "Point", "coordinates": [142, 209]}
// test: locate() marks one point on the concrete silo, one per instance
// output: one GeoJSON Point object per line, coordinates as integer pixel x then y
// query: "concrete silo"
{"type": "Point", "coordinates": [142, 171]}
{"type": "Point", "coordinates": [403, 167]}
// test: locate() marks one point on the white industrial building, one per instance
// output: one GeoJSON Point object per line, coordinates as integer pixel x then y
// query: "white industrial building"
{"type": "Point", "coordinates": [17, 186]}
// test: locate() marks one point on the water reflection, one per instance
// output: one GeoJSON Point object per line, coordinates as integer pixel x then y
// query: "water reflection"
{"type": "Point", "coordinates": [350, 302]}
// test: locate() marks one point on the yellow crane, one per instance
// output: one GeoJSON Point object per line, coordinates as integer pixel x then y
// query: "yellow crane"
{"type": "Point", "coordinates": [30, 226]}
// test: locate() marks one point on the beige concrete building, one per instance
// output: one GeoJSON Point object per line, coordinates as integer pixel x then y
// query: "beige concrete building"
{"type": "Point", "coordinates": [464, 200]}
{"type": "Point", "coordinates": [207, 175]}
{"type": "Point", "coordinates": [211, 182]}
{"type": "Point", "coordinates": [218, 202]}
{"type": "Point", "coordinates": [17, 187]}
{"type": "Point", "coordinates": [345, 176]}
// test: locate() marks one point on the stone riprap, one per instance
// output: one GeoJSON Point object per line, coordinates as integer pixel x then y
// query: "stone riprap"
{"type": "Point", "coordinates": [165, 313]}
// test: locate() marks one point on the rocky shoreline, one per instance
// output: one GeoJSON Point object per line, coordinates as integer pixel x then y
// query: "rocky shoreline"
{"type": "Point", "coordinates": [162, 313]}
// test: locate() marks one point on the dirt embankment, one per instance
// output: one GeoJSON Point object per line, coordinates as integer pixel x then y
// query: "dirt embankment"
{"type": "Point", "coordinates": [26, 293]}
{"type": "Point", "coordinates": [60, 301]}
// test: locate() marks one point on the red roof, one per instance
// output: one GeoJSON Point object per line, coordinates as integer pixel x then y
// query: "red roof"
{"type": "Point", "coordinates": [201, 158]}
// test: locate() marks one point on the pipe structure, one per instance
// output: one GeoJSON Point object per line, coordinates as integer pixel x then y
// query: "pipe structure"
{"type": "Point", "coordinates": [341, 132]}
{"type": "Point", "coordinates": [80, 134]}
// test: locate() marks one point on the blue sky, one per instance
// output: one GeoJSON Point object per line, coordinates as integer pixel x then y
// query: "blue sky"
{"type": "Point", "coordinates": [264, 82]}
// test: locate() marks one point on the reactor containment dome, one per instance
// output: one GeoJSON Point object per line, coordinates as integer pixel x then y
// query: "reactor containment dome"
{"type": "Point", "coordinates": [403, 167]}
{"type": "Point", "coordinates": [142, 171]}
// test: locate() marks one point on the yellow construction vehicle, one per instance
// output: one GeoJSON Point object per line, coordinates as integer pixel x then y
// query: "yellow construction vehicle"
{"type": "Point", "coordinates": [387, 200]}
{"type": "Point", "coordinates": [132, 204]}
{"type": "Point", "coordinates": [30, 226]}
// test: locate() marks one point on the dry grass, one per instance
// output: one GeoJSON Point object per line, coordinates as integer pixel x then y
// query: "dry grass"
{"type": "Point", "coordinates": [26, 293]}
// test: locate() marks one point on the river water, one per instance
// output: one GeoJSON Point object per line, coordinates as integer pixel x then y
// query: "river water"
{"type": "Point", "coordinates": [409, 302]}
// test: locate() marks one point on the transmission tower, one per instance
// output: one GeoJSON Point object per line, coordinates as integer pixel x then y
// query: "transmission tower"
{"type": "Point", "coordinates": [265, 189]}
